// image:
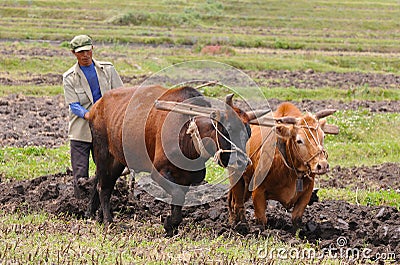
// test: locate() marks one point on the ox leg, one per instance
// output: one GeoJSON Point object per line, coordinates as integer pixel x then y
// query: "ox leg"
{"type": "Point", "coordinates": [178, 193]}
{"type": "Point", "coordinates": [172, 222]}
{"type": "Point", "coordinates": [131, 185]}
{"type": "Point", "coordinates": [106, 186]}
{"type": "Point", "coordinates": [260, 204]}
{"type": "Point", "coordinates": [301, 205]}
{"type": "Point", "coordinates": [231, 205]}
{"type": "Point", "coordinates": [236, 203]}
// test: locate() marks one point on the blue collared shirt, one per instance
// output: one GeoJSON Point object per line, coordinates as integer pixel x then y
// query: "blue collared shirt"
{"type": "Point", "coordinates": [91, 76]}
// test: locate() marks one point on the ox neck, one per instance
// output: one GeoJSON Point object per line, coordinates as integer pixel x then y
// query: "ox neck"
{"type": "Point", "coordinates": [198, 144]}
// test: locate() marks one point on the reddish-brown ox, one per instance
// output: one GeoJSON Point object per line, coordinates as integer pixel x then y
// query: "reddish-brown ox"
{"type": "Point", "coordinates": [128, 130]}
{"type": "Point", "coordinates": [285, 160]}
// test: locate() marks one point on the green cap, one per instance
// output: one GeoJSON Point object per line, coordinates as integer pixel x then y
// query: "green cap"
{"type": "Point", "coordinates": [81, 43]}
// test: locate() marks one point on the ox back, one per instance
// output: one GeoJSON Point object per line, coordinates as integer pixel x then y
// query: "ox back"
{"type": "Point", "coordinates": [125, 123]}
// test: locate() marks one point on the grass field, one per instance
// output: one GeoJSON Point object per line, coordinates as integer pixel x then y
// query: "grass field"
{"type": "Point", "coordinates": [333, 25]}
{"type": "Point", "coordinates": [143, 37]}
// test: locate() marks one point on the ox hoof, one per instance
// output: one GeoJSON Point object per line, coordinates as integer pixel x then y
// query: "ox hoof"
{"type": "Point", "coordinates": [170, 228]}
{"type": "Point", "coordinates": [242, 228]}
{"type": "Point", "coordinates": [97, 216]}
{"type": "Point", "coordinates": [259, 228]}
{"type": "Point", "coordinates": [89, 215]}
{"type": "Point", "coordinates": [297, 223]}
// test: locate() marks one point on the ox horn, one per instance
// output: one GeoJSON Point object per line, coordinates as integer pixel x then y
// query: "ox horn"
{"type": "Point", "coordinates": [328, 128]}
{"type": "Point", "coordinates": [324, 113]}
{"type": "Point", "coordinates": [287, 120]}
{"type": "Point", "coordinates": [271, 121]}
{"type": "Point", "coordinates": [257, 113]}
{"type": "Point", "coordinates": [229, 99]}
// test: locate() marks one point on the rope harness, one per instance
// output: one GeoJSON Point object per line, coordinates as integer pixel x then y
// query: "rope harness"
{"type": "Point", "coordinates": [193, 131]}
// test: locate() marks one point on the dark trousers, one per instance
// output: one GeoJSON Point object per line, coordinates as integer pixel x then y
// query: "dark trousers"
{"type": "Point", "coordinates": [80, 152]}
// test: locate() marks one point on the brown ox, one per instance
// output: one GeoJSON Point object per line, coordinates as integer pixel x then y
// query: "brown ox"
{"type": "Point", "coordinates": [285, 160]}
{"type": "Point", "coordinates": [129, 131]}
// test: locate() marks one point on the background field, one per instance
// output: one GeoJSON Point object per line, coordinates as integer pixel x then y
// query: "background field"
{"type": "Point", "coordinates": [343, 53]}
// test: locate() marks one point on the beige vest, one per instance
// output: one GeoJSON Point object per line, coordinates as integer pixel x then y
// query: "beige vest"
{"type": "Point", "coordinates": [77, 89]}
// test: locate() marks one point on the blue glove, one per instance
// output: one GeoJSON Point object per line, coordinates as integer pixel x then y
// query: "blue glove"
{"type": "Point", "coordinates": [77, 109]}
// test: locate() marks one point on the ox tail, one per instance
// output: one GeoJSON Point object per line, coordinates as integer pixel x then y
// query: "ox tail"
{"type": "Point", "coordinates": [247, 176]}
{"type": "Point", "coordinates": [91, 115]}
{"type": "Point", "coordinates": [247, 193]}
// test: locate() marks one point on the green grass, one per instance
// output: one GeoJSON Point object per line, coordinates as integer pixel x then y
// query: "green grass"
{"type": "Point", "coordinates": [34, 161]}
{"type": "Point", "coordinates": [362, 197]}
{"type": "Point", "coordinates": [353, 25]}
{"type": "Point", "coordinates": [216, 174]}
{"type": "Point", "coordinates": [364, 138]}
{"type": "Point", "coordinates": [346, 95]}
{"type": "Point", "coordinates": [29, 90]}
{"type": "Point", "coordinates": [298, 94]}
{"type": "Point", "coordinates": [133, 60]}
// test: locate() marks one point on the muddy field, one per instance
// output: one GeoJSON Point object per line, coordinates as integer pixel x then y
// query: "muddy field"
{"type": "Point", "coordinates": [27, 121]}
{"type": "Point", "coordinates": [324, 223]}
{"type": "Point", "coordinates": [271, 78]}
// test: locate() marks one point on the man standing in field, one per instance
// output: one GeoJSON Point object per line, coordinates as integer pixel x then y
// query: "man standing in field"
{"type": "Point", "coordinates": [84, 83]}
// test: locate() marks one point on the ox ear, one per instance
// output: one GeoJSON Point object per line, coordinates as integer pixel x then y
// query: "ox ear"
{"type": "Point", "coordinates": [322, 123]}
{"type": "Point", "coordinates": [216, 115]}
{"type": "Point", "coordinates": [229, 100]}
{"type": "Point", "coordinates": [284, 131]}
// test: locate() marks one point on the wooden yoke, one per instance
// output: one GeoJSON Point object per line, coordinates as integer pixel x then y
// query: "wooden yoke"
{"type": "Point", "coordinates": [195, 110]}
{"type": "Point", "coordinates": [183, 108]}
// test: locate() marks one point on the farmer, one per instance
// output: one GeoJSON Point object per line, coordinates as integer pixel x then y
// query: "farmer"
{"type": "Point", "coordinates": [84, 83]}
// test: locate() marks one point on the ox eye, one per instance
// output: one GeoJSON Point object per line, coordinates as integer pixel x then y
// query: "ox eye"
{"type": "Point", "coordinates": [299, 141]}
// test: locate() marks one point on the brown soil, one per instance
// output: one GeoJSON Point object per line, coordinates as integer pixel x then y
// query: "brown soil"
{"type": "Point", "coordinates": [36, 121]}
{"type": "Point", "coordinates": [271, 78]}
{"type": "Point", "coordinates": [310, 79]}
{"type": "Point", "coordinates": [376, 228]}
{"type": "Point", "coordinates": [378, 177]}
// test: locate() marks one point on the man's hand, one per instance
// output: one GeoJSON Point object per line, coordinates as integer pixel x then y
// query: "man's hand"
{"type": "Point", "coordinates": [86, 116]}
